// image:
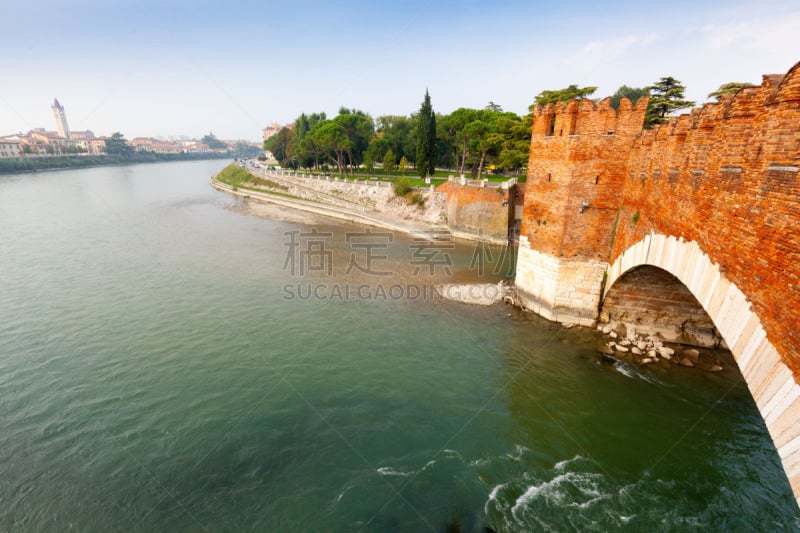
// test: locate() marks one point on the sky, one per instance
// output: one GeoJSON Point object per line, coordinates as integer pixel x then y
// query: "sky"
{"type": "Point", "coordinates": [189, 67]}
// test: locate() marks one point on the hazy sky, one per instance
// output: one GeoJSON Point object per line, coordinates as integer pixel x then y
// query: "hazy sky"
{"type": "Point", "coordinates": [191, 66]}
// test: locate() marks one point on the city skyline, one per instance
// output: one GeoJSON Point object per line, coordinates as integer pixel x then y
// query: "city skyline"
{"type": "Point", "coordinates": [234, 69]}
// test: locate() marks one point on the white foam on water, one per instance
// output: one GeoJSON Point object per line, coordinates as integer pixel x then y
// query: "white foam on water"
{"type": "Point", "coordinates": [519, 451]}
{"type": "Point", "coordinates": [551, 491]}
{"type": "Point", "coordinates": [624, 370]}
{"type": "Point", "coordinates": [493, 496]}
{"type": "Point", "coordinates": [559, 466]}
{"type": "Point", "coordinates": [631, 372]}
{"type": "Point", "coordinates": [452, 453]}
{"type": "Point", "coordinates": [589, 503]}
{"type": "Point", "coordinates": [389, 471]}
{"type": "Point", "coordinates": [479, 462]}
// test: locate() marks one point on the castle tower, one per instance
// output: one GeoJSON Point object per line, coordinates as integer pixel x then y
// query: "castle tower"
{"type": "Point", "coordinates": [61, 119]}
{"type": "Point", "coordinates": [576, 174]}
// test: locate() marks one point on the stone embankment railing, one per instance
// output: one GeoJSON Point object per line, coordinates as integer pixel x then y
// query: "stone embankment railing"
{"type": "Point", "coordinates": [284, 178]}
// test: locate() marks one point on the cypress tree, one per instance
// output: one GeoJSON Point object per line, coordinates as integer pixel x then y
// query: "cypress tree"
{"type": "Point", "coordinates": [426, 138]}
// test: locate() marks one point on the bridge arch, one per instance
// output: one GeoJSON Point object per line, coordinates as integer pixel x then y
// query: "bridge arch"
{"type": "Point", "coordinates": [770, 381]}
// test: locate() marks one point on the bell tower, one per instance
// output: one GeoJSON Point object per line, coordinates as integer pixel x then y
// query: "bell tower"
{"type": "Point", "coordinates": [61, 119]}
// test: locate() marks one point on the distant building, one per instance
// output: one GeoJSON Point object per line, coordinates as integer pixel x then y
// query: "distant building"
{"type": "Point", "coordinates": [61, 119]}
{"type": "Point", "coordinates": [271, 130]}
{"type": "Point", "coordinates": [195, 147]}
{"type": "Point", "coordinates": [88, 134]}
{"type": "Point", "coordinates": [166, 147]}
{"type": "Point", "coordinates": [143, 144]}
{"type": "Point", "coordinates": [9, 148]}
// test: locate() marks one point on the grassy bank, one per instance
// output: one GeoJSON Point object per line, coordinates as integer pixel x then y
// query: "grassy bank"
{"type": "Point", "coordinates": [29, 164]}
{"type": "Point", "coordinates": [237, 177]}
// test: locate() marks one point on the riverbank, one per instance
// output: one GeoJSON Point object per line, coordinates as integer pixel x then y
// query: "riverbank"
{"type": "Point", "coordinates": [414, 229]}
{"type": "Point", "coordinates": [372, 204]}
{"type": "Point", "coordinates": [37, 164]}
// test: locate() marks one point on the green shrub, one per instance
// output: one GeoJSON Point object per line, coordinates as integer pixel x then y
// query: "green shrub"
{"type": "Point", "coordinates": [416, 198]}
{"type": "Point", "coordinates": [402, 186]}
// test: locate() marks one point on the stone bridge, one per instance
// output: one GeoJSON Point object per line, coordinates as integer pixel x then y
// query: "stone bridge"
{"type": "Point", "coordinates": [690, 230]}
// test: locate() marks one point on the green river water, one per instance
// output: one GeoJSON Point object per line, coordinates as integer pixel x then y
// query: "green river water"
{"type": "Point", "coordinates": [161, 369]}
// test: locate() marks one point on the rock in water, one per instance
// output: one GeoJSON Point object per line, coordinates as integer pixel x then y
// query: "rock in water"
{"type": "Point", "coordinates": [613, 334]}
{"type": "Point", "coordinates": [664, 351]}
{"type": "Point", "coordinates": [646, 361]}
{"type": "Point", "coordinates": [636, 350]}
{"type": "Point", "coordinates": [691, 352]}
{"type": "Point", "coordinates": [686, 362]}
{"type": "Point", "coordinates": [621, 348]}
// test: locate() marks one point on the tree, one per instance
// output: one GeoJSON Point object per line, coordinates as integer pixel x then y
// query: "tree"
{"type": "Point", "coordinates": [481, 133]}
{"type": "Point", "coordinates": [330, 138]}
{"type": "Point", "coordinates": [244, 149]}
{"type": "Point", "coordinates": [359, 129]}
{"type": "Point", "coordinates": [631, 93]}
{"type": "Point", "coordinates": [495, 108]}
{"type": "Point", "coordinates": [399, 133]}
{"type": "Point", "coordinates": [280, 144]}
{"type": "Point", "coordinates": [213, 142]}
{"type": "Point", "coordinates": [666, 96]}
{"type": "Point", "coordinates": [513, 137]}
{"type": "Point", "coordinates": [455, 124]}
{"type": "Point", "coordinates": [388, 161]}
{"type": "Point", "coordinates": [118, 145]}
{"type": "Point", "coordinates": [729, 88]}
{"type": "Point", "coordinates": [369, 165]}
{"type": "Point", "coordinates": [403, 165]}
{"type": "Point", "coordinates": [562, 95]}
{"type": "Point", "coordinates": [426, 138]}
{"type": "Point", "coordinates": [377, 148]}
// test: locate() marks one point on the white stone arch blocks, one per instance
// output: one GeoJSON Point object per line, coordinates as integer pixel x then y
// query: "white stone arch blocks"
{"type": "Point", "coordinates": [770, 381]}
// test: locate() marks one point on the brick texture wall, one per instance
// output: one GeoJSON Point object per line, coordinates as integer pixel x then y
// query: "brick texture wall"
{"type": "Point", "coordinates": [725, 176]}
{"type": "Point", "coordinates": [483, 212]}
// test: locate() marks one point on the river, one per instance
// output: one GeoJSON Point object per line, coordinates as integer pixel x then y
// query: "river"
{"type": "Point", "coordinates": [168, 361]}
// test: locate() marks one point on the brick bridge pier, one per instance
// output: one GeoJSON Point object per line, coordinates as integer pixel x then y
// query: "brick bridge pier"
{"type": "Point", "coordinates": [691, 230]}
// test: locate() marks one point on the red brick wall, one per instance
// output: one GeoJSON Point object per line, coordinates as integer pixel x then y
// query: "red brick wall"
{"type": "Point", "coordinates": [584, 160]}
{"type": "Point", "coordinates": [717, 176]}
{"type": "Point", "coordinates": [479, 211]}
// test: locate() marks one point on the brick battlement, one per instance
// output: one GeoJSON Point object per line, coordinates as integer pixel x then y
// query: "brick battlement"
{"type": "Point", "coordinates": [584, 117]}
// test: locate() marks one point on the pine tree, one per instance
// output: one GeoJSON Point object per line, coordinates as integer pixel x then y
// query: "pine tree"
{"type": "Point", "coordinates": [666, 96]}
{"type": "Point", "coordinates": [729, 88]}
{"type": "Point", "coordinates": [388, 161]}
{"type": "Point", "coordinates": [426, 138]}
